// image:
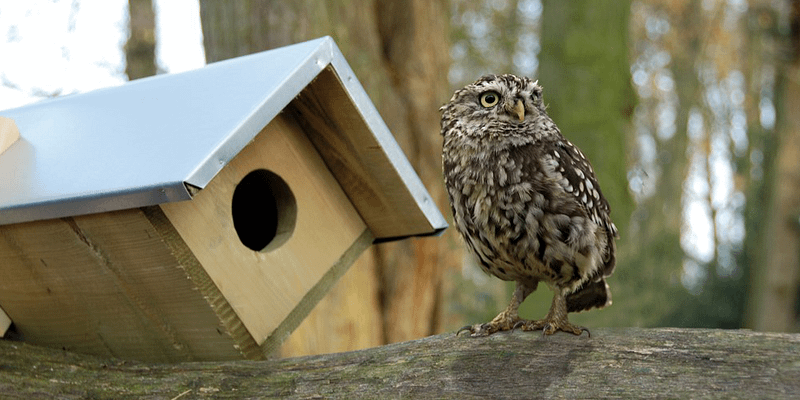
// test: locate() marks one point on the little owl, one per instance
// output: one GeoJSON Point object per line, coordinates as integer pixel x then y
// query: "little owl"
{"type": "Point", "coordinates": [526, 201]}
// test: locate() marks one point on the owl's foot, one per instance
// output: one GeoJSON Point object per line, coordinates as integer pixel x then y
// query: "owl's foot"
{"type": "Point", "coordinates": [505, 321]}
{"type": "Point", "coordinates": [556, 319]}
{"type": "Point", "coordinates": [550, 326]}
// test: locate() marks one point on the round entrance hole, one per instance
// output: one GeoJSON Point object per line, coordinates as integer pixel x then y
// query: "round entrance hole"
{"type": "Point", "coordinates": [264, 210]}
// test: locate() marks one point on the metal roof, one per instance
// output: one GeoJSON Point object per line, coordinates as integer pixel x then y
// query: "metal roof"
{"type": "Point", "coordinates": [140, 143]}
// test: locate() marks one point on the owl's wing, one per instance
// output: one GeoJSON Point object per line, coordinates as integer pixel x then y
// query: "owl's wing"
{"type": "Point", "coordinates": [563, 163]}
{"type": "Point", "coordinates": [578, 178]}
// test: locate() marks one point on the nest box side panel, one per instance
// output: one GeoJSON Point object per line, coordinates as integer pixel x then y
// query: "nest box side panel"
{"type": "Point", "coordinates": [270, 287]}
{"type": "Point", "coordinates": [357, 159]}
{"type": "Point", "coordinates": [5, 322]}
{"type": "Point", "coordinates": [106, 284]}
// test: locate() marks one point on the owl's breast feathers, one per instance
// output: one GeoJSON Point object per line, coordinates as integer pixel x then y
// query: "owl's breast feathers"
{"type": "Point", "coordinates": [531, 210]}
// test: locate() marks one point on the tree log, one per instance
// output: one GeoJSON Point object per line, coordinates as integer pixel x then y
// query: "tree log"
{"type": "Point", "coordinates": [612, 363]}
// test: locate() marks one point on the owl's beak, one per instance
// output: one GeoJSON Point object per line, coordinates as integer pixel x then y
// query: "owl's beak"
{"type": "Point", "coordinates": [519, 110]}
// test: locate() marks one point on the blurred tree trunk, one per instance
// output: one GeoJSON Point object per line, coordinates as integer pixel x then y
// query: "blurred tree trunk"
{"type": "Point", "coordinates": [585, 72]}
{"type": "Point", "coordinates": [651, 263]}
{"type": "Point", "coordinates": [399, 52]}
{"type": "Point", "coordinates": [140, 49]}
{"type": "Point", "coordinates": [776, 269]}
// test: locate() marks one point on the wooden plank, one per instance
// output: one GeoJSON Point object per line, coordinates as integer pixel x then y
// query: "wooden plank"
{"type": "Point", "coordinates": [265, 287]}
{"type": "Point", "coordinates": [5, 322]}
{"type": "Point", "coordinates": [316, 293]}
{"type": "Point", "coordinates": [106, 284]}
{"type": "Point", "coordinates": [354, 300]}
{"type": "Point", "coordinates": [202, 282]}
{"type": "Point", "coordinates": [9, 133]}
{"type": "Point", "coordinates": [351, 152]}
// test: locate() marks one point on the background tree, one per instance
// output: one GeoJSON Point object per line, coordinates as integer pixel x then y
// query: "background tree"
{"type": "Point", "coordinates": [774, 219]}
{"type": "Point", "coordinates": [584, 69]}
{"type": "Point", "coordinates": [140, 49]}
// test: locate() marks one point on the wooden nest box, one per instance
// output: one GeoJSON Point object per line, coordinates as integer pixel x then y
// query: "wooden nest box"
{"type": "Point", "coordinates": [201, 215]}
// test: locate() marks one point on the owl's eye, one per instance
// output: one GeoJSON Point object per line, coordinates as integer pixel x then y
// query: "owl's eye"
{"type": "Point", "coordinates": [489, 99]}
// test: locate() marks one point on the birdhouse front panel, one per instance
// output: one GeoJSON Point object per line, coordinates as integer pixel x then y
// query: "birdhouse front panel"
{"type": "Point", "coordinates": [263, 285]}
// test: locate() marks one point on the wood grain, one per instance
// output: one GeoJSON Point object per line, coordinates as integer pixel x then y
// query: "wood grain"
{"type": "Point", "coordinates": [263, 288]}
{"type": "Point", "coordinates": [612, 364]}
{"type": "Point", "coordinates": [357, 160]}
{"type": "Point", "coordinates": [105, 284]}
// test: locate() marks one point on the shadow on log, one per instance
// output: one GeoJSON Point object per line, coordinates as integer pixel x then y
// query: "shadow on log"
{"type": "Point", "coordinates": [613, 363]}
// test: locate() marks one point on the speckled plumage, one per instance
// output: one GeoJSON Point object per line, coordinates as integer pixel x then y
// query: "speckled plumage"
{"type": "Point", "coordinates": [526, 201]}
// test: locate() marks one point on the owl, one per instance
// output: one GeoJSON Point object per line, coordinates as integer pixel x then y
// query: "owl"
{"type": "Point", "coordinates": [526, 201]}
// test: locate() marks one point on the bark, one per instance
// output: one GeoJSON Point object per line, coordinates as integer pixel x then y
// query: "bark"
{"type": "Point", "coordinates": [413, 38]}
{"type": "Point", "coordinates": [613, 363]}
{"type": "Point", "coordinates": [140, 49]}
{"type": "Point", "coordinates": [399, 52]}
{"type": "Point", "coordinates": [774, 295]}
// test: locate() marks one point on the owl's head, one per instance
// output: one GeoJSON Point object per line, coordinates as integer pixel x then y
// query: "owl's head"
{"type": "Point", "coordinates": [500, 101]}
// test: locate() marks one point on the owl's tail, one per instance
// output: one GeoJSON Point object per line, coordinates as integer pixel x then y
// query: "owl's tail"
{"type": "Point", "coordinates": [594, 293]}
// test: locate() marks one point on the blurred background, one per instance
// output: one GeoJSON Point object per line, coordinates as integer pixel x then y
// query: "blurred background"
{"type": "Point", "coordinates": [688, 109]}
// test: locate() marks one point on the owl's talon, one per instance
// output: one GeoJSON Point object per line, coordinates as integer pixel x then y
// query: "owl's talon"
{"type": "Point", "coordinates": [467, 328]}
{"type": "Point", "coordinates": [475, 330]}
{"type": "Point", "coordinates": [549, 327]}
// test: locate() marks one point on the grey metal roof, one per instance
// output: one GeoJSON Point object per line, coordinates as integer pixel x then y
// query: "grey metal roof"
{"type": "Point", "coordinates": [140, 143]}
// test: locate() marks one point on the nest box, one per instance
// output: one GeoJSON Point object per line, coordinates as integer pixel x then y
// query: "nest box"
{"type": "Point", "coordinates": [201, 215]}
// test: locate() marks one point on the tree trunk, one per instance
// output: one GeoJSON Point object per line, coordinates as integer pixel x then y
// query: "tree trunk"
{"type": "Point", "coordinates": [585, 74]}
{"type": "Point", "coordinates": [413, 37]}
{"type": "Point", "coordinates": [613, 363]}
{"type": "Point", "coordinates": [140, 49]}
{"type": "Point", "coordinates": [774, 296]}
{"type": "Point", "coordinates": [399, 52]}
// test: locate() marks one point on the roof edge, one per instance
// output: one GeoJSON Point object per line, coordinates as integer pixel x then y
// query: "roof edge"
{"type": "Point", "coordinates": [264, 112]}
{"type": "Point", "coordinates": [383, 135]}
{"type": "Point", "coordinates": [92, 203]}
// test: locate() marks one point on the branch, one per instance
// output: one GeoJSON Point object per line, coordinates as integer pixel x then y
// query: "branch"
{"type": "Point", "coordinates": [641, 363]}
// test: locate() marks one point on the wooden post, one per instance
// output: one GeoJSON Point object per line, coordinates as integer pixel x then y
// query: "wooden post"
{"type": "Point", "coordinates": [8, 133]}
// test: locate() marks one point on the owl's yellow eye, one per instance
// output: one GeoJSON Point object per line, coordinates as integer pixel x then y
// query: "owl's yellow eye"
{"type": "Point", "coordinates": [489, 99]}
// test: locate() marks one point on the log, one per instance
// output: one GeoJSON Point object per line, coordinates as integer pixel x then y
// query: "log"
{"type": "Point", "coordinates": [613, 363]}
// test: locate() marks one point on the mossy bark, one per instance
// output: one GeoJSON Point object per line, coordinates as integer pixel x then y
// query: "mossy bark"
{"type": "Point", "coordinates": [612, 363]}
